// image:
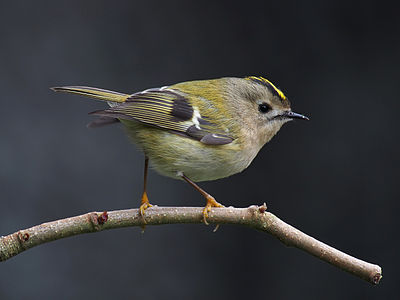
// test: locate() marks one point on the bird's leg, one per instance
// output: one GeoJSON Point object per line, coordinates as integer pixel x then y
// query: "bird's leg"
{"type": "Point", "coordinates": [211, 202]}
{"type": "Point", "coordinates": [145, 201]}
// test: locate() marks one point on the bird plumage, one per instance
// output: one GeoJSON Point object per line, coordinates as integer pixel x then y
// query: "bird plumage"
{"type": "Point", "coordinates": [207, 129]}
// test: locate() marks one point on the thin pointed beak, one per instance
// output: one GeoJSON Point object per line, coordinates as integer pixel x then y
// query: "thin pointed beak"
{"type": "Point", "coordinates": [293, 115]}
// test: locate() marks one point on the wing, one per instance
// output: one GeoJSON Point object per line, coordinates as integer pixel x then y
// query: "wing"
{"type": "Point", "coordinates": [170, 110]}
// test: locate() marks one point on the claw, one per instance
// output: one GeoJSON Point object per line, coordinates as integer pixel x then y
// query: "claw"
{"type": "Point", "coordinates": [145, 205]}
{"type": "Point", "coordinates": [211, 202]}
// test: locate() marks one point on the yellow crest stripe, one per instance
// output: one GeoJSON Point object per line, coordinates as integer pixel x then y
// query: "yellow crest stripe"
{"type": "Point", "coordinates": [268, 83]}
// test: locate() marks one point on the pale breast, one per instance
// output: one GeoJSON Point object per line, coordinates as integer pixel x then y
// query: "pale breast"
{"type": "Point", "coordinates": [171, 153]}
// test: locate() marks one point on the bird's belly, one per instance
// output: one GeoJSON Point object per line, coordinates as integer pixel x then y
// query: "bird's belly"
{"type": "Point", "coordinates": [171, 153]}
{"type": "Point", "coordinates": [200, 163]}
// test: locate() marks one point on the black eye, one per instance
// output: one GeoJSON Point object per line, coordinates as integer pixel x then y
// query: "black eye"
{"type": "Point", "coordinates": [264, 108]}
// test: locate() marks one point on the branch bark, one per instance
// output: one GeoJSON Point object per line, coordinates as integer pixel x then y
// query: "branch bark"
{"type": "Point", "coordinates": [255, 217]}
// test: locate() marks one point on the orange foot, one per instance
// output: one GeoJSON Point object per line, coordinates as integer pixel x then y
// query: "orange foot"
{"type": "Point", "coordinates": [211, 202]}
{"type": "Point", "coordinates": [145, 205]}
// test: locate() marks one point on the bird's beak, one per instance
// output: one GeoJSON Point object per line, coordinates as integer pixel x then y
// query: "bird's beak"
{"type": "Point", "coordinates": [293, 115]}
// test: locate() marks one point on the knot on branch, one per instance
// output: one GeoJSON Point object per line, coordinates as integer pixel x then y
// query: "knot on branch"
{"type": "Point", "coordinates": [22, 237]}
{"type": "Point", "coordinates": [98, 219]}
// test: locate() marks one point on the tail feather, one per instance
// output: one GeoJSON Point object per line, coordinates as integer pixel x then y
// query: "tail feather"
{"type": "Point", "coordinates": [96, 93]}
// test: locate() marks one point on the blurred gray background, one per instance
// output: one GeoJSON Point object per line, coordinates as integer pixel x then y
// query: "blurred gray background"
{"type": "Point", "coordinates": [335, 177]}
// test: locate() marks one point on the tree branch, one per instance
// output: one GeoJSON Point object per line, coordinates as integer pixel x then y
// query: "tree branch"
{"type": "Point", "coordinates": [254, 216]}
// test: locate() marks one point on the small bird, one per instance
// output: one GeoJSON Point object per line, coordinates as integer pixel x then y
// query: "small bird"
{"type": "Point", "coordinates": [197, 130]}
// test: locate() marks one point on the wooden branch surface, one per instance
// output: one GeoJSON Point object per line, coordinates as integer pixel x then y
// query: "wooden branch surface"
{"type": "Point", "coordinates": [254, 216]}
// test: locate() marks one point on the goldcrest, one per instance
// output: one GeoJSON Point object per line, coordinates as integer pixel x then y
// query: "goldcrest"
{"type": "Point", "coordinates": [196, 130]}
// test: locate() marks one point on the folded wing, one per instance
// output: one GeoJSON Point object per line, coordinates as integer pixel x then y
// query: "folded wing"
{"type": "Point", "coordinates": [170, 110]}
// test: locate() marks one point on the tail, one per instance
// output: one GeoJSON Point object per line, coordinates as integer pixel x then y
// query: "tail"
{"type": "Point", "coordinates": [96, 93]}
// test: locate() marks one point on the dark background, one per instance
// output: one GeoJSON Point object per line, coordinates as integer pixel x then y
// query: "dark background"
{"type": "Point", "coordinates": [335, 177]}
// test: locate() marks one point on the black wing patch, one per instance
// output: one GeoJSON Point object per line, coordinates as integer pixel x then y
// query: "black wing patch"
{"type": "Point", "coordinates": [167, 109]}
{"type": "Point", "coordinates": [182, 110]}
